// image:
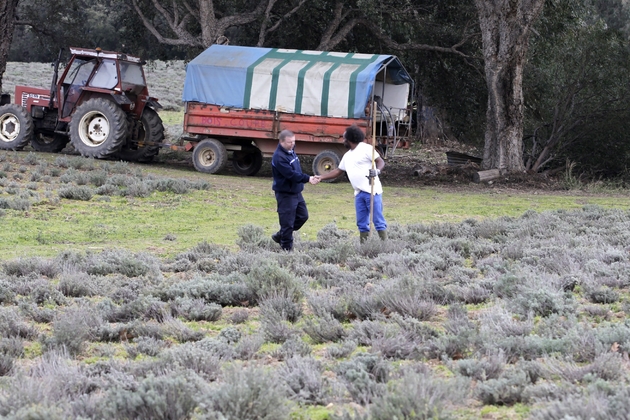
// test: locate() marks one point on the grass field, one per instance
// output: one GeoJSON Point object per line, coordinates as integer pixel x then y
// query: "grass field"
{"type": "Point", "coordinates": [216, 213]}
{"type": "Point", "coordinates": [155, 292]}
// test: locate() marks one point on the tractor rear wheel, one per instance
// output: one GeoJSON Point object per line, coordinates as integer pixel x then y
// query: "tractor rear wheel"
{"type": "Point", "coordinates": [98, 128]}
{"type": "Point", "coordinates": [151, 130]}
{"type": "Point", "coordinates": [50, 143]}
{"type": "Point", "coordinates": [247, 162]}
{"type": "Point", "coordinates": [209, 156]}
{"type": "Point", "coordinates": [16, 127]}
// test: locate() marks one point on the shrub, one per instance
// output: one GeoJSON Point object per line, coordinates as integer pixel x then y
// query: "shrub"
{"type": "Point", "coordinates": [13, 325]}
{"type": "Point", "coordinates": [324, 329]}
{"type": "Point", "coordinates": [120, 261]}
{"type": "Point", "coordinates": [338, 351]}
{"type": "Point", "coordinates": [607, 366]}
{"type": "Point", "coordinates": [602, 295]}
{"type": "Point", "coordinates": [270, 279]}
{"type": "Point", "coordinates": [107, 189]}
{"type": "Point", "coordinates": [398, 346]}
{"type": "Point", "coordinates": [229, 290]}
{"type": "Point", "coordinates": [275, 328]}
{"type": "Point", "coordinates": [136, 189]}
{"type": "Point", "coordinates": [279, 306]}
{"type": "Point", "coordinates": [248, 346]}
{"type": "Point", "coordinates": [292, 347]}
{"type": "Point", "coordinates": [364, 304]}
{"type": "Point", "coordinates": [73, 327]}
{"type": "Point", "coordinates": [7, 295]}
{"type": "Point", "coordinates": [248, 394]}
{"type": "Point", "coordinates": [173, 396]}
{"type": "Point", "coordinates": [419, 395]}
{"type": "Point", "coordinates": [176, 186]}
{"type": "Point", "coordinates": [200, 360]}
{"type": "Point", "coordinates": [77, 284]}
{"type": "Point", "coordinates": [82, 193]}
{"type": "Point", "coordinates": [364, 376]}
{"type": "Point", "coordinates": [12, 346]}
{"type": "Point", "coordinates": [196, 309]}
{"type": "Point", "coordinates": [303, 378]}
{"type": "Point", "coordinates": [230, 335]}
{"type": "Point", "coordinates": [24, 266]}
{"type": "Point", "coordinates": [489, 367]}
{"type": "Point", "coordinates": [239, 316]}
{"type": "Point", "coordinates": [326, 303]}
{"type": "Point", "coordinates": [506, 390]}
{"type": "Point", "coordinates": [252, 237]}
{"type": "Point", "coordinates": [364, 332]}
{"type": "Point", "coordinates": [145, 345]}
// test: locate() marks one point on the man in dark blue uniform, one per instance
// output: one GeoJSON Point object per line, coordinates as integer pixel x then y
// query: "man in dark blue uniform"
{"type": "Point", "coordinates": [288, 183]}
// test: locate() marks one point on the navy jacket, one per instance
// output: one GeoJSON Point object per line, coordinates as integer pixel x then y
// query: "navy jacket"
{"type": "Point", "coordinates": [287, 172]}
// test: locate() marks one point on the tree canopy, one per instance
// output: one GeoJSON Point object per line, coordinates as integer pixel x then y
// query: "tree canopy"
{"type": "Point", "coordinates": [570, 56]}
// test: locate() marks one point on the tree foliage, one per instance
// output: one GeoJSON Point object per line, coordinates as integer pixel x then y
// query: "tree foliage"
{"type": "Point", "coordinates": [574, 74]}
{"type": "Point", "coordinates": [577, 91]}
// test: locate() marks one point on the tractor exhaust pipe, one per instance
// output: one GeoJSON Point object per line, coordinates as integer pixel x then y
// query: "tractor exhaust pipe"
{"type": "Point", "coordinates": [53, 86]}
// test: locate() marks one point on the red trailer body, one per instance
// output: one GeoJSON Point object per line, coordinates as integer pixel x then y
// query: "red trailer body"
{"type": "Point", "coordinates": [238, 99]}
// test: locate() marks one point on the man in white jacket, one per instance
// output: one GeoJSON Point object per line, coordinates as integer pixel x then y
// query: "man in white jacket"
{"type": "Point", "coordinates": [357, 163]}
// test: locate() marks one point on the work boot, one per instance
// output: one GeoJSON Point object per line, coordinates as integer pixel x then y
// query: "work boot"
{"type": "Point", "coordinates": [382, 234]}
{"type": "Point", "coordinates": [276, 237]}
{"type": "Point", "coordinates": [363, 236]}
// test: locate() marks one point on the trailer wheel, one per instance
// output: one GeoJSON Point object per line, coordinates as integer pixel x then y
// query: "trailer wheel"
{"type": "Point", "coordinates": [16, 127]}
{"type": "Point", "coordinates": [325, 161]}
{"type": "Point", "coordinates": [98, 128]}
{"type": "Point", "coordinates": [152, 130]}
{"type": "Point", "coordinates": [49, 143]}
{"type": "Point", "coordinates": [247, 163]}
{"type": "Point", "coordinates": [209, 156]}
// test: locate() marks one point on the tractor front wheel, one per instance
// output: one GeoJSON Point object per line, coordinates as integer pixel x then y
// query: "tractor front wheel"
{"type": "Point", "coordinates": [16, 127]}
{"type": "Point", "coordinates": [98, 128]}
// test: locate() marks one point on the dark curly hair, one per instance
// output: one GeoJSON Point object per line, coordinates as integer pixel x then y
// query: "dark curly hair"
{"type": "Point", "coordinates": [354, 134]}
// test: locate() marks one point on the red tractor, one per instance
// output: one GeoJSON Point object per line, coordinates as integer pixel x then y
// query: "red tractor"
{"type": "Point", "coordinates": [101, 104]}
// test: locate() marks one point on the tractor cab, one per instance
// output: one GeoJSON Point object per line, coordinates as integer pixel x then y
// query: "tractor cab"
{"type": "Point", "coordinates": [95, 72]}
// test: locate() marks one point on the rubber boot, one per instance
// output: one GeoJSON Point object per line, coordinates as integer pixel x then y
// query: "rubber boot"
{"type": "Point", "coordinates": [363, 236]}
{"type": "Point", "coordinates": [382, 234]}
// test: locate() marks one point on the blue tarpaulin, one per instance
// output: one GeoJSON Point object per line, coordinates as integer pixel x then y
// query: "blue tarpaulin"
{"type": "Point", "coordinates": [297, 81]}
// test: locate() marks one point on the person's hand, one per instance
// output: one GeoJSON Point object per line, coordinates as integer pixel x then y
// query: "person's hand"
{"type": "Point", "coordinates": [373, 173]}
{"type": "Point", "coordinates": [314, 179]}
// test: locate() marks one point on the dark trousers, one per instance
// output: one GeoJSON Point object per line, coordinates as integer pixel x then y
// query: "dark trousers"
{"type": "Point", "coordinates": [292, 214]}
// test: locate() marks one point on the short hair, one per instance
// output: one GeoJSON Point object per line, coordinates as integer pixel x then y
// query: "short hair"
{"type": "Point", "coordinates": [284, 134]}
{"type": "Point", "coordinates": [354, 134]}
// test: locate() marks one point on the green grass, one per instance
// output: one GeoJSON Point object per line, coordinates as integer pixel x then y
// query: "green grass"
{"type": "Point", "coordinates": [214, 215]}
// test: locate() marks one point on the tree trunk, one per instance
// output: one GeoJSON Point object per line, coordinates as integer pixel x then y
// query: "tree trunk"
{"type": "Point", "coordinates": [7, 24]}
{"type": "Point", "coordinates": [505, 28]}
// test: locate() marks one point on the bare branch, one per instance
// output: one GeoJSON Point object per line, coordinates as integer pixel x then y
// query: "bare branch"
{"type": "Point", "coordinates": [412, 46]}
{"type": "Point", "coordinates": [181, 40]}
{"type": "Point", "coordinates": [262, 36]}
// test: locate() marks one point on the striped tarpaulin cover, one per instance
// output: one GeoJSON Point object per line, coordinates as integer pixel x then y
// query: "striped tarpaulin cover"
{"type": "Point", "coordinates": [295, 81]}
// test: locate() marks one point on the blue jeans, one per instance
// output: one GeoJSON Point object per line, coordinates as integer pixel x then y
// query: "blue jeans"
{"type": "Point", "coordinates": [292, 214]}
{"type": "Point", "coordinates": [362, 206]}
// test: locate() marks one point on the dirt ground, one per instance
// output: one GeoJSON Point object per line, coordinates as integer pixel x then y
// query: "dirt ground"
{"type": "Point", "coordinates": [426, 165]}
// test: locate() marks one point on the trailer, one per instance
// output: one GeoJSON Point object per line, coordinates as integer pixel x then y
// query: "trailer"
{"type": "Point", "coordinates": [238, 99]}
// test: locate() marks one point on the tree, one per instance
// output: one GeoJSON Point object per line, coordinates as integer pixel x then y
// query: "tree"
{"type": "Point", "coordinates": [8, 10]}
{"type": "Point", "coordinates": [578, 93]}
{"type": "Point", "coordinates": [196, 24]}
{"type": "Point", "coordinates": [505, 30]}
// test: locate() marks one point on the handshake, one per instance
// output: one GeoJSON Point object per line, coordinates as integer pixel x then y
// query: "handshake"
{"type": "Point", "coordinates": [315, 179]}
